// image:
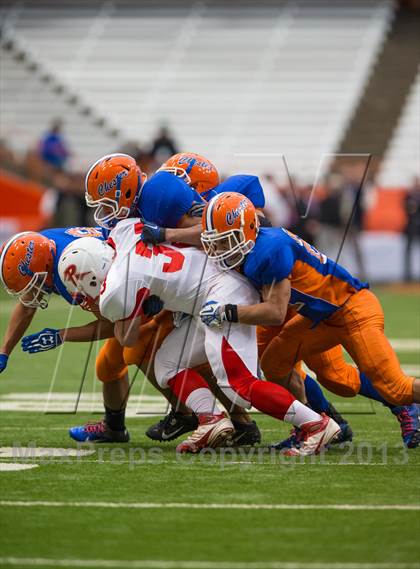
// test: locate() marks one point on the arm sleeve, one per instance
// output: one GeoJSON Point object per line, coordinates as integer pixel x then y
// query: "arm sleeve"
{"type": "Point", "coordinates": [165, 199]}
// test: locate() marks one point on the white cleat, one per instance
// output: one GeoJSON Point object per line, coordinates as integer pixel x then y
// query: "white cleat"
{"type": "Point", "coordinates": [211, 432]}
{"type": "Point", "coordinates": [315, 436]}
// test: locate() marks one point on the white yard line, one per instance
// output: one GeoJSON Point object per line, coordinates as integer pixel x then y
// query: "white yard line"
{"type": "Point", "coordinates": [405, 344]}
{"type": "Point", "coordinates": [211, 506]}
{"type": "Point", "coordinates": [155, 564]}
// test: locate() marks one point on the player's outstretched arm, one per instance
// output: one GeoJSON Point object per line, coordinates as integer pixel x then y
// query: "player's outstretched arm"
{"type": "Point", "coordinates": [188, 231]}
{"type": "Point", "coordinates": [189, 235]}
{"type": "Point", "coordinates": [270, 312]}
{"type": "Point", "coordinates": [50, 338]}
{"type": "Point", "coordinates": [19, 322]}
{"type": "Point", "coordinates": [127, 332]}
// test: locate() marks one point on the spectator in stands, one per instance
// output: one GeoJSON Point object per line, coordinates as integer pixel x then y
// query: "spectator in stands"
{"type": "Point", "coordinates": [163, 145]}
{"type": "Point", "coordinates": [353, 200]}
{"type": "Point", "coordinates": [330, 232]}
{"type": "Point", "coordinates": [304, 210]}
{"type": "Point", "coordinates": [412, 228]}
{"type": "Point", "coordinates": [53, 148]}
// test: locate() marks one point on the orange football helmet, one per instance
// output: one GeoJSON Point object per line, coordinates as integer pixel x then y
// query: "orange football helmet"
{"type": "Point", "coordinates": [230, 228]}
{"type": "Point", "coordinates": [197, 171]}
{"type": "Point", "coordinates": [113, 186]}
{"type": "Point", "coordinates": [26, 265]}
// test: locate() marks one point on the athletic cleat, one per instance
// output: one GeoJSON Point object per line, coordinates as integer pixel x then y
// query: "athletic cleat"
{"type": "Point", "coordinates": [292, 441]}
{"type": "Point", "coordinates": [408, 417]}
{"type": "Point", "coordinates": [346, 434]}
{"type": "Point", "coordinates": [212, 432]}
{"type": "Point", "coordinates": [246, 434]}
{"type": "Point", "coordinates": [315, 436]}
{"type": "Point", "coordinates": [172, 426]}
{"type": "Point", "coordinates": [98, 433]}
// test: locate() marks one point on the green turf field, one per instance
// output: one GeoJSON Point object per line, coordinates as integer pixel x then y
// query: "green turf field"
{"type": "Point", "coordinates": [139, 506]}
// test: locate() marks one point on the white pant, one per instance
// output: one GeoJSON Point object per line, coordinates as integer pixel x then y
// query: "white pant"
{"type": "Point", "coordinates": [231, 350]}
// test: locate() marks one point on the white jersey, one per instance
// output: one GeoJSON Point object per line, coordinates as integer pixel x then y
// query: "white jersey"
{"type": "Point", "coordinates": [182, 277]}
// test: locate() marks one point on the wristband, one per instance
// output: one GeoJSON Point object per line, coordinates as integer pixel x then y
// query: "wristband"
{"type": "Point", "coordinates": [231, 311]}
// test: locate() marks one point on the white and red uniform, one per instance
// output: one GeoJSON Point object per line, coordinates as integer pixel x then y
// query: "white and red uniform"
{"type": "Point", "coordinates": [184, 279]}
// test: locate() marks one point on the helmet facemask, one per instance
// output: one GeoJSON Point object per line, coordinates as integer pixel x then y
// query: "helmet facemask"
{"type": "Point", "coordinates": [177, 171]}
{"type": "Point", "coordinates": [228, 248]}
{"type": "Point", "coordinates": [123, 184]}
{"type": "Point", "coordinates": [107, 212]}
{"type": "Point", "coordinates": [35, 294]}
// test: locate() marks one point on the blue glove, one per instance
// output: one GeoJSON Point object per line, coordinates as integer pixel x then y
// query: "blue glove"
{"type": "Point", "coordinates": [3, 362]}
{"type": "Point", "coordinates": [153, 234]}
{"type": "Point", "coordinates": [47, 339]}
{"type": "Point", "coordinates": [213, 314]}
{"type": "Point", "coordinates": [152, 305]}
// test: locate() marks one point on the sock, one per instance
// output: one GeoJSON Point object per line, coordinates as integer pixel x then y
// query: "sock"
{"type": "Point", "coordinates": [270, 398]}
{"type": "Point", "coordinates": [367, 390]}
{"type": "Point", "coordinates": [202, 402]}
{"type": "Point", "coordinates": [185, 385]}
{"type": "Point", "coordinates": [315, 395]}
{"type": "Point", "coordinates": [115, 419]}
{"type": "Point", "coordinates": [298, 414]}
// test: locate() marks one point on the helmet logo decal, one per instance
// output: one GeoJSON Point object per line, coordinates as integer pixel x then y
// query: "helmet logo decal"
{"type": "Point", "coordinates": [191, 161]}
{"type": "Point", "coordinates": [114, 183]}
{"type": "Point", "coordinates": [71, 274]}
{"type": "Point", "coordinates": [23, 266]}
{"type": "Point", "coordinates": [233, 214]}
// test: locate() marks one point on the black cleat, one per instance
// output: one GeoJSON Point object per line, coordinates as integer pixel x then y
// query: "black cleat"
{"type": "Point", "coordinates": [246, 434]}
{"type": "Point", "coordinates": [346, 433]}
{"type": "Point", "coordinates": [172, 426]}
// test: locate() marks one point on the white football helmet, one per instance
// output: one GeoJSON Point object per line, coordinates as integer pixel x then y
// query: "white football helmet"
{"type": "Point", "coordinates": [83, 266]}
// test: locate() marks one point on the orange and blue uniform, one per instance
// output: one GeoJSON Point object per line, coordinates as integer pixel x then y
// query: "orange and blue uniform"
{"type": "Point", "coordinates": [333, 308]}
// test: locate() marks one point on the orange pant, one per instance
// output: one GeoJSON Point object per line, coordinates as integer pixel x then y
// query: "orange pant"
{"type": "Point", "coordinates": [359, 327]}
{"type": "Point", "coordinates": [113, 359]}
{"type": "Point", "coordinates": [331, 369]}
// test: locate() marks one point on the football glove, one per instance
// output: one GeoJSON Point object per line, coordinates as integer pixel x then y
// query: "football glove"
{"type": "Point", "coordinates": [152, 305]}
{"type": "Point", "coordinates": [213, 314]}
{"type": "Point", "coordinates": [197, 209]}
{"type": "Point", "coordinates": [153, 234]}
{"type": "Point", "coordinates": [179, 318]}
{"type": "Point", "coordinates": [47, 339]}
{"type": "Point", "coordinates": [3, 362]}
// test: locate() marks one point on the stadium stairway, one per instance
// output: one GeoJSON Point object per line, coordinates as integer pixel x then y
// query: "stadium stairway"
{"type": "Point", "coordinates": [32, 94]}
{"type": "Point", "coordinates": [378, 112]}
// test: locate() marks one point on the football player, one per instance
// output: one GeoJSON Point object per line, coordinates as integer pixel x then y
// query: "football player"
{"type": "Point", "coordinates": [29, 271]}
{"type": "Point", "coordinates": [333, 307]}
{"type": "Point", "coordinates": [183, 279]}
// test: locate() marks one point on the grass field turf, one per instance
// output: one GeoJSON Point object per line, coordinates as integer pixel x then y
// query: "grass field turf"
{"type": "Point", "coordinates": [374, 471]}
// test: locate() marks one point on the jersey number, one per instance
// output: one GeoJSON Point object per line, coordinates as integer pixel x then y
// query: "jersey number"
{"type": "Point", "coordinates": [176, 257]}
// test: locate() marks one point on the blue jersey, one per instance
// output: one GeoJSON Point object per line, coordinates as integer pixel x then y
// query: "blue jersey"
{"type": "Point", "coordinates": [244, 184]}
{"type": "Point", "coordinates": [319, 286]}
{"type": "Point", "coordinates": [165, 199]}
{"type": "Point", "coordinates": [62, 237]}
